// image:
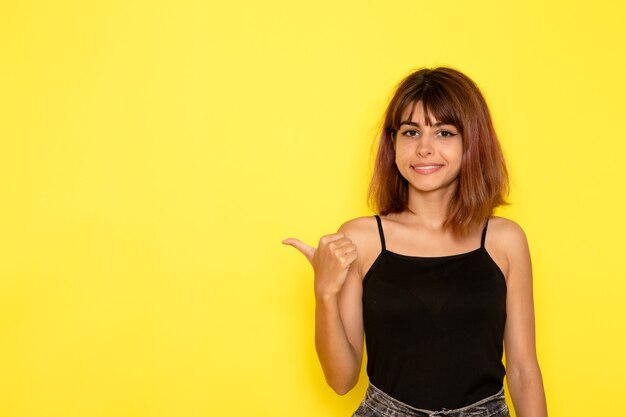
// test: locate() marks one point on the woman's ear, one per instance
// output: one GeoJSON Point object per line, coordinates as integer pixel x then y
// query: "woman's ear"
{"type": "Point", "coordinates": [391, 134]}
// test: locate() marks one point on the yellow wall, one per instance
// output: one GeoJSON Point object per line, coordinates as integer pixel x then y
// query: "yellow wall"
{"type": "Point", "coordinates": [153, 155]}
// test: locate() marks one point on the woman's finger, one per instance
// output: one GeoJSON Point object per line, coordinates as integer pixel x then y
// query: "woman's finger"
{"type": "Point", "coordinates": [306, 250]}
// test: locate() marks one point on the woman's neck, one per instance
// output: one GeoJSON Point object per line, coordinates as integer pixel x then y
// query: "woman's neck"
{"type": "Point", "coordinates": [428, 209]}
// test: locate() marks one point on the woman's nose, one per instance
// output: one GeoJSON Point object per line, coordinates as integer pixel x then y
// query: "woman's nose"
{"type": "Point", "coordinates": [424, 147]}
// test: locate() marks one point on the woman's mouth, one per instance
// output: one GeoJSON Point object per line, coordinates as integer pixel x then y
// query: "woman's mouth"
{"type": "Point", "coordinates": [426, 169]}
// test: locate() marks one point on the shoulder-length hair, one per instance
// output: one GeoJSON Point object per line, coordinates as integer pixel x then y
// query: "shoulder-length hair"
{"type": "Point", "coordinates": [452, 98]}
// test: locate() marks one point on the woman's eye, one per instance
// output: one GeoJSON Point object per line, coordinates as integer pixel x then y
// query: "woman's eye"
{"type": "Point", "coordinates": [415, 133]}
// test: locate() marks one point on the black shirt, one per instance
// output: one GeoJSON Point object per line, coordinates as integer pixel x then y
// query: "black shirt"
{"type": "Point", "coordinates": [434, 326]}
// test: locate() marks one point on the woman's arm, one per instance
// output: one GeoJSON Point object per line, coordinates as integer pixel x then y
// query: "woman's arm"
{"type": "Point", "coordinates": [339, 333]}
{"type": "Point", "coordinates": [338, 308]}
{"type": "Point", "coordinates": [522, 368]}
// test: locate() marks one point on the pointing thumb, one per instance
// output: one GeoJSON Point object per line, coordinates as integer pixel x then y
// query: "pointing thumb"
{"type": "Point", "coordinates": [306, 250]}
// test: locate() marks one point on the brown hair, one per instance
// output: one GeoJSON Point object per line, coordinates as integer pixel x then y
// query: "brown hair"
{"type": "Point", "coordinates": [452, 98]}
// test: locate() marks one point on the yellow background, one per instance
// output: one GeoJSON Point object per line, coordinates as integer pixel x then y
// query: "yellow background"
{"type": "Point", "coordinates": [153, 155]}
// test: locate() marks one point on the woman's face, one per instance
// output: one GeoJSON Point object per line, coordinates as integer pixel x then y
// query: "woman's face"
{"type": "Point", "coordinates": [428, 157]}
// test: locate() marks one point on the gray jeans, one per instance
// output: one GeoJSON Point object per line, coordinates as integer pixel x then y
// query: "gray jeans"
{"type": "Point", "coordinates": [379, 404]}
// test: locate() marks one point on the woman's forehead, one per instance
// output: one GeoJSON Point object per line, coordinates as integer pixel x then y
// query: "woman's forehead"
{"type": "Point", "coordinates": [415, 112]}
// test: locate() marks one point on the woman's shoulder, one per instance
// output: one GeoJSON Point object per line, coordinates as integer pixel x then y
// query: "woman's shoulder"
{"type": "Point", "coordinates": [363, 232]}
{"type": "Point", "coordinates": [360, 228]}
{"type": "Point", "coordinates": [508, 241]}
{"type": "Point", "coordinates": [506, 231]}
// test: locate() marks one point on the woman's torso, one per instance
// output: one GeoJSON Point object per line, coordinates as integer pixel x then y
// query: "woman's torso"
{"type": "Point", "coordinates": [434, 321]}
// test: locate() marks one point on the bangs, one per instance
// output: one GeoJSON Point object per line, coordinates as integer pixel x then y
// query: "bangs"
{"type": "Point", "coordinates": [437, 104]}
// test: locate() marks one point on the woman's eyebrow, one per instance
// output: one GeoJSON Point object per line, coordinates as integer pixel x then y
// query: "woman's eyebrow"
{"type": "Point", "coordinates": [418, 125]}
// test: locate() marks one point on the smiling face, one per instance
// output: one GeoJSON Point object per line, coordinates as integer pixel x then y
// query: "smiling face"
{"type": "Point", "coordinates": [471, 174]}
{"type": "Point", "coordinates": [428, 156]}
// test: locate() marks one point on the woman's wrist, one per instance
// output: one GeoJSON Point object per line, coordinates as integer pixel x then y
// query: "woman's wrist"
{"type": "Point", "coordinates": [326, 297]}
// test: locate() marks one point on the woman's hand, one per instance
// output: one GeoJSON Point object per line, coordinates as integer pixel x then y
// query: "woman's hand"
{"type": "Point", "coordinates": [330, 261]}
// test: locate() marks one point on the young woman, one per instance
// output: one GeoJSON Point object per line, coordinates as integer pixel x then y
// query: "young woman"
{"type": "Point", "coordinates": [434, 282]}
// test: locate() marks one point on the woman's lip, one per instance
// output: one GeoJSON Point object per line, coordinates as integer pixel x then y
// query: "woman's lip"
{"type": "Point", "coordinates": [426, 169]}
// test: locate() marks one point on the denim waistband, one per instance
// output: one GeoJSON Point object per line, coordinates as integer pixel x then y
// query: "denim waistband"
{"type": "Point", "coordinates": [382, 403]}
